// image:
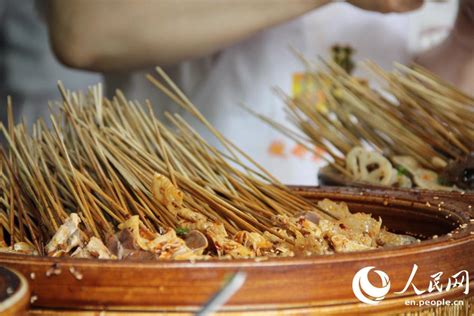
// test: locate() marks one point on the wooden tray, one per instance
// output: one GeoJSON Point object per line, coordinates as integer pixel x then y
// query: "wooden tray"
{"type": "Point", "coordinates": [316, 284]}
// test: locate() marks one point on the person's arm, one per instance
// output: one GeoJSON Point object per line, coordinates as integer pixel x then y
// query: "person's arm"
{"type": "Point", "coordinates": [115, 35]}
{"type": "Point", "coordinates": [109, 35]}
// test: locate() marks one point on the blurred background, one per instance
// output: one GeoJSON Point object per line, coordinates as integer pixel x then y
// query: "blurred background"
{"type": "Point", "coordinates": [29, 71]}
{"type": "Point", "coordinates": [245, 71]}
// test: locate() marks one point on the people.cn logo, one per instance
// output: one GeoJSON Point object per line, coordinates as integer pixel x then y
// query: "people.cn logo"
{"type": "Point", "coordinates": [365, 291]}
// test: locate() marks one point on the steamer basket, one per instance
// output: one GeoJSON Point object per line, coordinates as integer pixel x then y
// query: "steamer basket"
{"type": "Point", "coordinates": [319, 284]}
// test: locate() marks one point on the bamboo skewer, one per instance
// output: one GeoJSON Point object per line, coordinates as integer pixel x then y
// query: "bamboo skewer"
{"type": "Point", "coordinates": [99, 157]}
{"type": "Point", "coordinates": [414, 113]}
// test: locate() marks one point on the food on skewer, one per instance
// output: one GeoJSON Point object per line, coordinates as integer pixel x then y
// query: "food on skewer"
{"type": "Point", "coordinates": [372, 167]}
{"type": "Point", "coordinates": [109, 180]}
{"type": "Point", "coordinates": [409, 129]}
{"type": "Point", "coordinates": [203, 239]}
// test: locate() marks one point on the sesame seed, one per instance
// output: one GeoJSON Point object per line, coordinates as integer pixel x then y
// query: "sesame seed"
{"type": "Point", "coordinates": [77, 275]}
{"type": "Point", "coordinates": [54, 270]}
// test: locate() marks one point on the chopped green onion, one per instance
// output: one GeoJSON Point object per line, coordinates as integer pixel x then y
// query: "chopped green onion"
{"type": "Point", "coordinates": [181, 231]}
{"type": "Point", "coordinates": [402, 171]}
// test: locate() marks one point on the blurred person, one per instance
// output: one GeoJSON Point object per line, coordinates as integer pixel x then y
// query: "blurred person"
{"type": "Point", "coordinates": [223, 52]}
{"type": "Point", "coordinates": [29, 70]}
{"type": "Point", "coordinates": [453, 58]}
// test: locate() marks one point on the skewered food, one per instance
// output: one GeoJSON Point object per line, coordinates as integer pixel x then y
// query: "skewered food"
{"type": "Point", "coordinates": [19, 248]}
{"type": "Point", "coordinates": [372, 167]}
{"type": "Point", "coordinates": [68, 237]}
{"type": "Point", "coordinates": [95, 248]}
{"type": "Point", "coordinates": [402, 131]}
{"type": "Point", "coordinates": [111, 181]}
{"type": "Point", "coordinates": [305, 234]}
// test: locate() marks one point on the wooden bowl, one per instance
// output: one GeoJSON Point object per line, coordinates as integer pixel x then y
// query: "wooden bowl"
{"type": "Point", "coordinates": [319, 284]}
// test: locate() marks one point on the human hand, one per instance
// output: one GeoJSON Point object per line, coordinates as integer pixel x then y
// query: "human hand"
{"type": "Point", "coordinates": [387, 6]}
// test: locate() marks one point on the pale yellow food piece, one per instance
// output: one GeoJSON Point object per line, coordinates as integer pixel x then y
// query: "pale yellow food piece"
{"type": "Point", "coordinates": [133, 224]}
{"type": "Point", "coordinates": [165, 192]}
{"type": "Point", "coordinates": [358, 161]}
{"type": "Point", "coordinates": [338, 209]}
{"type": "Point", "coordinates": [20, 248]}
{"type": "Point", "coordinates": [386, 238]}
{"type": "Point", "coordinates": [95, 248]}
{"type": "Point", "coordinates": [343, 244]}
{"type": "Point", "coordinates": [407, 162]}
{"type": "Point", "coordinates": [403, 181]}
{"type": "Point", "coordinates": [428, 179]}
{"type": "Point", "coordinates": [66, 238]}
{"type": "Point", "coordinates": [258, 243]}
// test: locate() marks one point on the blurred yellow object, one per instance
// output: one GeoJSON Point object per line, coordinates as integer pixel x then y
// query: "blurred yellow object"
{"type": "Point", "coordinates": [298, 81]}
{"type": "Point", "coordinates": [304, 89]}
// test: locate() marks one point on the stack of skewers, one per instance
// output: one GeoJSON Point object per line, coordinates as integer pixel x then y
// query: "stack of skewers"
{"type": "Point", "coordinates": [407, 129]}
{"type": "Point", "coordinates": [109, 180]}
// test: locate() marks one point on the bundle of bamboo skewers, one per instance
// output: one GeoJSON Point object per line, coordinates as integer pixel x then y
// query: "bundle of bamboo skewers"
{"type": "Point", "coordinates": [106, 163]}
{"type": "Point", "coordinates": [417, 122]}
{"type": "Point", "coordinates": [101, 159]}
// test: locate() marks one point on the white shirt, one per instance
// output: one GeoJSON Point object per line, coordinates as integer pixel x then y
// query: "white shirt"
{"type": "Point", "coordinates": [247, 71]}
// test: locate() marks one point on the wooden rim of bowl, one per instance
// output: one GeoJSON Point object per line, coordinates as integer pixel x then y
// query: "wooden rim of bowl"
{"type": "Point", "coordinates": [276, 283]}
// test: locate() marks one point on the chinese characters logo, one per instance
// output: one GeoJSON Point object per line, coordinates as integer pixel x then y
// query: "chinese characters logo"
{"type": "Point", "coordinates": [365, 291]}
{"type": "Point", "coordinates": [370, 294]}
